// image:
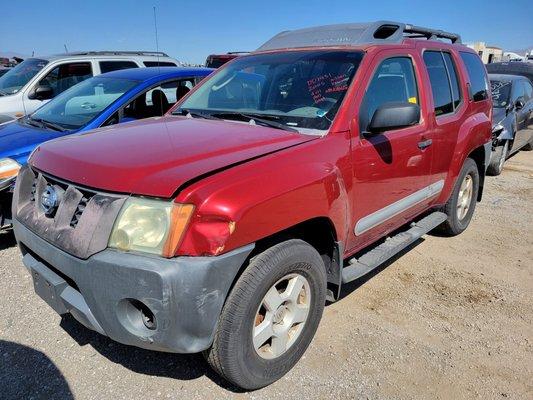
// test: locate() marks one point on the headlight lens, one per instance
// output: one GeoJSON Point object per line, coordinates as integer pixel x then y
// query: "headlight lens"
{"type": "Point", "coordinates": [8, 168]}
{"type": "Point", "coordinates": [150, 226]}
{"type": "Point", "coordinates": [497, 128]}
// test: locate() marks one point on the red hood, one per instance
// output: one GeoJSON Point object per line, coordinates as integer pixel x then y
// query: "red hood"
{"type": "Point", "coordinates": [156, 156]}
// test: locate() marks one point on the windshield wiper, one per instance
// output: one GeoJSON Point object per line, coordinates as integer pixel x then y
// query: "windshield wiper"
{"type": "Point", "coordinates": [48, 124]}
{"type": "Point", "coordinates": [252, 117]}
{"type": "Point", "coordinates": [194, 114]}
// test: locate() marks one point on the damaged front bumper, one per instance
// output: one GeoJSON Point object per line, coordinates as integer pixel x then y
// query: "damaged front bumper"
{"type": "Point", "coordinates": [146, 301]}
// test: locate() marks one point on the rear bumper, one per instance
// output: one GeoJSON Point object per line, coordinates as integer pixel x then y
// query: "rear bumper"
{"type": "Point", "coordinates": [185, 295]}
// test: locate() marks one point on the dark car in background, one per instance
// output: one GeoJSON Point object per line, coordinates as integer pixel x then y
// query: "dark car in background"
{"type": "Point", "coordinates": [512, 68]}
{"type": "Point", "coordinates": [512, 98]}
{"type": "Point", "coordinates": [218, 60]}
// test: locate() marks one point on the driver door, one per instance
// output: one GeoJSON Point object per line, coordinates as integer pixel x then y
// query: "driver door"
{"type": "Point", "coordinates": [391, 170]}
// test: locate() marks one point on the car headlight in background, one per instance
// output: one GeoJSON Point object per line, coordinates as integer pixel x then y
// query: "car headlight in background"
{"type": "Point", "coordinates": [8, 168]}
{"type": "Point", "coordinates": [150, 226]}
{"type": "Point", "coordinates": [498, 128]}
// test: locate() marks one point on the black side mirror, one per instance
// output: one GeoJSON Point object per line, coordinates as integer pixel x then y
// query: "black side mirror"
{"type": "Point", "coordinates": [519, 103]}
{"type": "Point", "coordinates": [394, 115]}
{"type": "Point", "coordinates": [42, 92]}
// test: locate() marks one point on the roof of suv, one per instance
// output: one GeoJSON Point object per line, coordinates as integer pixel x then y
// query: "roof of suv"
{"type": "Point", "coordinates": [143, 74]}
{"type": "Point", "coordinates": [354, 34]}
{"type": "Point", "coordinates": [138, 55]}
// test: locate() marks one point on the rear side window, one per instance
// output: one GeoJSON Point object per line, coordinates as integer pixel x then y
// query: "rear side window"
{"type": "Point", "coordinates": [108, 66]}
{"type": "Point", "coordinates": [440, 85]}
{"type": "Point", "coordinates": [159, 64]}
{"type": "Point", "coordinates": [444, 82]}
{"type": "Point", "coordinates": [479, 85]}
{"type": "Point", "coordinates": [393, 81]}
{"type": "Point", "coordinates": [454, 80]}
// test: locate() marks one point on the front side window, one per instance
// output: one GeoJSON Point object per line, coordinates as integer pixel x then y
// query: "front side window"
{"type": "Point", "coordinates": [479, 85]}
{"type": "Point", "coordinates": [15, 79]}
{"type": "Point", "coordinates": [300, 90]}
{"type": "Point", "coordinates": [108, 66]}
{"type": "Point", "coordinates": [65, 76]}
{"type": "Point", "coordinates": [76, 107]}
{"type": "Point", "coordinates": [501, 93]}
{"type": "Point", "coordinates": [393, 81]}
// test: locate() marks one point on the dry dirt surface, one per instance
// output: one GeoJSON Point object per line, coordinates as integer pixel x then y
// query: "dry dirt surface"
{"type": "Point", "coordinates": [450, 319]}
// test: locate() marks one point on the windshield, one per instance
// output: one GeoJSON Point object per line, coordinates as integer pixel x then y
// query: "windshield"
{"type": "Point", "coordinates": [501, 91]}
{"type": "Point", "coordinates": [78, 105]}
{"type": "Point", "coordinates": [297, 89]}
{"type": "Point", "coordinates": [15, 79]}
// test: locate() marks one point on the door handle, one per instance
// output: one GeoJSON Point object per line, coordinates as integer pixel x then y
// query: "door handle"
{"type": "Point", "coordinates": [425, 143]}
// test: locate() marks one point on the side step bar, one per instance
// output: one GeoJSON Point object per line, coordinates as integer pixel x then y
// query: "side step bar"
{"type": "Point", "coordinates": [392, 246]}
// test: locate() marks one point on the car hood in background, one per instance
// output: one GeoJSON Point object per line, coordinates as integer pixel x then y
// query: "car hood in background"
{"type": "Point", "coordinates": [17, 140]}
{"type": "Point", "coordinates": [156, 156]}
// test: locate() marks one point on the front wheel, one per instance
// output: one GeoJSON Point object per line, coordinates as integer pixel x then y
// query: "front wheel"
{"type": "Point", "coordinates": [462, 202]}
{"type": "Point", "coordinates": [497, 159]}
{"type": "Point", "coordinates": [270, 316]}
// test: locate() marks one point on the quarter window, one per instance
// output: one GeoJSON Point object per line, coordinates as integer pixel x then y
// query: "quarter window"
{"type": "Point", "coordinates": [393, 81]}
{"type": "Point", "coordinates": [479, 85]}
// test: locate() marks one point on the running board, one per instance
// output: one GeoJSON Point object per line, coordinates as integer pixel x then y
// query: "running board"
{"type": "Point", "coordinates": [392, 246]}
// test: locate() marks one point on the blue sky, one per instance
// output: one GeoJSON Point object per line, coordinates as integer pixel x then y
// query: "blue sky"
{"type": "Point", "coordinates": [191, 30]}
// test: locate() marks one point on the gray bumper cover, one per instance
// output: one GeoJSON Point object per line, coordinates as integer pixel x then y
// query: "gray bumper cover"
{"type": "Point", "coordinates": [186, 294]}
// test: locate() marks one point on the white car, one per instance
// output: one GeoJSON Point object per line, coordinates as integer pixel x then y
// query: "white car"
{"type": "Point", "coordinates": [36, 80]}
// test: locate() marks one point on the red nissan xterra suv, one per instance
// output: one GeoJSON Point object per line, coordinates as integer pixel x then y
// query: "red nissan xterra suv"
{"type": "Point", "coordinates": [225, 225]}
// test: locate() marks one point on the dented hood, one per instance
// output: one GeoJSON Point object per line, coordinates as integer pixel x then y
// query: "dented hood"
{"type": "Point", "coordinates": [155, 157]}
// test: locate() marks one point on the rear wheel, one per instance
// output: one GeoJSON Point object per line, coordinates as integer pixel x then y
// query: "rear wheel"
{"type": "Point", "coordinates": [462, 202]}
{"type": "Point", "coordinates": [497, 159]}
{"type": "Point", "coordinates": [270, 316]}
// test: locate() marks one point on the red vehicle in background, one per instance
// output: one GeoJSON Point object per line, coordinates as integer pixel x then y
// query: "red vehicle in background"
{"type": "Point", "coordinates": [218, 60]}
{"type": "Point", "coordinates": [225, 225]}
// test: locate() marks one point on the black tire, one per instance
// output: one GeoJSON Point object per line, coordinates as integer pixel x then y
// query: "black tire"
{"type": "Point", "coordinates": [453, 225]}
{"type": "Point", "coordinates": [497, 159]}
{"type": "Point", "coordinates": [232, 354]}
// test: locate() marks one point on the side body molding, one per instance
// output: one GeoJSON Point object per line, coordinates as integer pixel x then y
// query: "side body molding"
{"type": "Point", "coordinates": [380, 216]}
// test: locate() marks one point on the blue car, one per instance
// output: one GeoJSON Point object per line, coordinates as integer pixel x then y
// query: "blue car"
{"type": "Point", "coordinates": [107, 99]}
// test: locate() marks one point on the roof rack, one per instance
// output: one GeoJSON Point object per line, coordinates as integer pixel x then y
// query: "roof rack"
{"type": "Point", "coordinates": [380, 32]}
{"type": "Point", "coordinates": [118, 53]}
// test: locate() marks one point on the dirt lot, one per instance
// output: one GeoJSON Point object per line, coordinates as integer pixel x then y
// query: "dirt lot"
{"type": "Point", "coordinates": [452, 318]}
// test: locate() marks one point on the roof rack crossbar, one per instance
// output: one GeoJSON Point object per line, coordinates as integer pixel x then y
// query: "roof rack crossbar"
{"type": "Point", "coordinates": [118, 53]}
{"type": "Point", "coordinates": [431, 34]}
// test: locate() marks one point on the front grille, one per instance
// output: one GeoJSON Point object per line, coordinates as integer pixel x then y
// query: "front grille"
{"type": "Point", "coordinates": [80, 224]}
{"type": "Point", "coordinates": [79, 210]}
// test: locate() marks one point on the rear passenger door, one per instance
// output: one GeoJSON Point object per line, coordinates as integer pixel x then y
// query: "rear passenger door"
{"type": "Point", "coordinates": [446, 108]}
{"type": "Point", "coordinates": [391, 169]}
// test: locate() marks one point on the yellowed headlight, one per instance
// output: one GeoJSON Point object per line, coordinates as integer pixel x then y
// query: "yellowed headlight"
{"type": "Point", "coordinates": [150, 226]}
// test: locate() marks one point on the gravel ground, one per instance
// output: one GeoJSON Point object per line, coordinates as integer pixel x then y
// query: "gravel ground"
{"type": "Point", "coordinates": [452, 318]}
